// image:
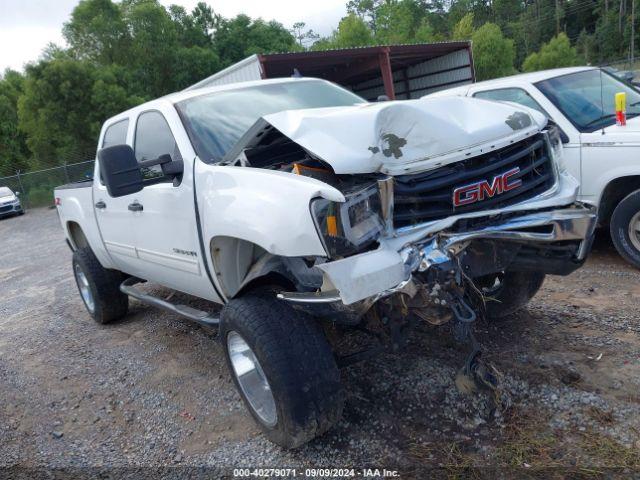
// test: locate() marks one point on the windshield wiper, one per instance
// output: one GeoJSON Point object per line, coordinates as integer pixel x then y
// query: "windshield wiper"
{"type": "Point", "coordinates": [610, 115]}
{"type": "Point", "coordinates": [599, 119]}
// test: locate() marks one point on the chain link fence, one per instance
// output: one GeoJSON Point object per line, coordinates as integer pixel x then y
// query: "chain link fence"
{"type": "Point", "coordinates": [36, 187]}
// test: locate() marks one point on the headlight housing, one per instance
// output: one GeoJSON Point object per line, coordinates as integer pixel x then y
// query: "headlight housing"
{"type": "Point", "coordinates": [349, 227]}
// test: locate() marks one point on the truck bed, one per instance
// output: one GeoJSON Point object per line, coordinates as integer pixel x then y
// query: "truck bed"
{"type": "Point", "coordinates": [81, 184]}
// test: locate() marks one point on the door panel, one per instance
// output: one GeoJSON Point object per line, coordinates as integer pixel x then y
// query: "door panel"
{"type": "Point", "coordinates": [117, 229]}
{"type": "Point", "coordinates": [167, 243]}
{"type": "Point", "coordinates": [112, 214]}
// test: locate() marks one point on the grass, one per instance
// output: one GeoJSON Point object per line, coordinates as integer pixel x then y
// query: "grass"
{"type": "Point", "coordinates": [450, 457]}
{"type": "Point", "coordinates": [529, 450]}
{"type": "Point", "coordinates": [603, 452]}
{"type": "Point", "coordinates": [525, 443]}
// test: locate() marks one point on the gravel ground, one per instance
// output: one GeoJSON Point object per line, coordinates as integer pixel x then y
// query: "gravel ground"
{"type": "Point", "coordinates": [153, 390]}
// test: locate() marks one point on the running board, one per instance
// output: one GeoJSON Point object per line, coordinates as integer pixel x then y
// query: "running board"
{"type": "Point", "coordinates": [198, 316]}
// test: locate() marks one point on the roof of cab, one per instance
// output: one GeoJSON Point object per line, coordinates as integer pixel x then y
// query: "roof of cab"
{"type": "Point", "coordinates": [518, 79]}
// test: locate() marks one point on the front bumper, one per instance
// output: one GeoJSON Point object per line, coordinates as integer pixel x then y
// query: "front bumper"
{"type": "Point", "coordinates": [10, 209]}
{"type": "Point", "coordinates": [386, 270]}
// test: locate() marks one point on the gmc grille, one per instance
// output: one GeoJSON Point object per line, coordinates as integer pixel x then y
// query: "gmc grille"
{"type": "Point", "coordinates": [428, 196]}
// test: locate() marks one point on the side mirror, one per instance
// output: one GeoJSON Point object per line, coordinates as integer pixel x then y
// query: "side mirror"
{"type": "Point", "coordinates": [120, 170]}
{"type": "Point", "coordinates": [17, 194]}
{"type": "Point", "coordinates": [172, 168]}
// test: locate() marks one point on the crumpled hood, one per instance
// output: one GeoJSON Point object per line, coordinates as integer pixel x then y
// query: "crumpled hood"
{"type": "Point", "coordinates": [406, 136]}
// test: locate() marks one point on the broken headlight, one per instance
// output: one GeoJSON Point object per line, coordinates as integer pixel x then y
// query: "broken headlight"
{"type": "Point", "coordinates": [348, 227]}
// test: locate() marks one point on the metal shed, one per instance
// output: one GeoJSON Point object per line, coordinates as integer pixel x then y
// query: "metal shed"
{"type": "Point", "coordinates": [398, 71]}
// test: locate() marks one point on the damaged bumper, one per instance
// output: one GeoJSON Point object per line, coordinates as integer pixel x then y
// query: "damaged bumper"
{"type": "Point", "coordinates": [555, 241]}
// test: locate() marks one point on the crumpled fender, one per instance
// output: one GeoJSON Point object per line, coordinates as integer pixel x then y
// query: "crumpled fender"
{"type": "Point", "coordinates": [264, 207]}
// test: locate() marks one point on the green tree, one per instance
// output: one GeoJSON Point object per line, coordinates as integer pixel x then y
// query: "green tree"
{"type": "Point", "coordinates": [352, 32]}
{"type": "Point", "coordinates": [190, 32]}
{"type": "Point", "coordinates": [493, 54]}
{"type": "Point", "coordinates": [463, 30]}
{"type": "Point", "coordinates": [239, 37]}
{"type": "Point", "coordinates": [303, 36]}
{"type": "Point", "coordinates": [557, 53]}
{"type": "Point", "coordinates": [96, 31]}
{"type": "Point", "coordinates": [63, 105]}
{"type": "Point", "coordinates": [397, 21]}
{"type": "Point", "coordinates": [13, 148]}
{"type": "Point", "coordinates": [154, 41]}
{"type": "Point", "coordinates": [586, 47]}
{"type": "Point", "coordinates": [366, 10]}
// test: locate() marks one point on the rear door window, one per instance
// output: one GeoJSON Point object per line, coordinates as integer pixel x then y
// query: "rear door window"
{"type": "Point", "coordinates": [116, 134]}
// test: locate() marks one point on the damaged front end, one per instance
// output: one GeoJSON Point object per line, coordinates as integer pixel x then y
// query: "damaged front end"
{"type": "Point", "coordinates": [447, 276]}
{"type": "Point", "coordinates": [434, 220]}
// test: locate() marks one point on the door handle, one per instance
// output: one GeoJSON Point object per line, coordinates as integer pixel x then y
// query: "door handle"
{"type": "Point", "coordinates": [135, 207]}
{"type": "Point", "coordinates": [101, 205]}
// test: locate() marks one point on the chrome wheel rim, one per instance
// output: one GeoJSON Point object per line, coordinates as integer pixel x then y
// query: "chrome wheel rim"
{"type": "Point", "coordinates": [85, 289]}
{"type": "Point", "coordinates": [634, 231]}
{"type": "Point", "coordinates": [251, 378]}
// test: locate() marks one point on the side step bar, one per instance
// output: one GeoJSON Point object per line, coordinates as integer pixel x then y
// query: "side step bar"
{"type": "Point", "coordinates": [198, 316]}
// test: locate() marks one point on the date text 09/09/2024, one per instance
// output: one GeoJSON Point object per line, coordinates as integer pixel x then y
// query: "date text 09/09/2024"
{"type": "Point", "coordinates": [315, 473]}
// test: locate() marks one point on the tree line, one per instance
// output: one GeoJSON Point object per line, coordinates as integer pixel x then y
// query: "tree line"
{"type": "Point", "coordinates": [120, 54]}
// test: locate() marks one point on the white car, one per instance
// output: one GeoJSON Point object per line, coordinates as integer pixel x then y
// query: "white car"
{"type": "Point", "coordinates": [299, 206]}
{"type": "Point", "coordinates": [9, 203]}
{"type": "Point", "coordinates": [604, 157]}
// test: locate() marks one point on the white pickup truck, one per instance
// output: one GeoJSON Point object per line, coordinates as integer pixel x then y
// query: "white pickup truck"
{"type": "Point", "coordinates": [299, 206]}
{"type": "Point", "coordinates": [603, 156]}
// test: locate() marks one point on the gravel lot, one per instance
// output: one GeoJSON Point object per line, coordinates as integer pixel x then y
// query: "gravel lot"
{"type": "Point", "coordinates": [153, 390]}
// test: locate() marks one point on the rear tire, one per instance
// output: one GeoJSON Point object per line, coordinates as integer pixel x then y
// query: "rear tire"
{"type": "Point", "coordinates": [99, 288]}
{"type": "Point", "coordinates": [296, 361]}
{"type": "Point", "coordinates": [625, 228]}
{"type": "Point", "coordinates": [514, 291]}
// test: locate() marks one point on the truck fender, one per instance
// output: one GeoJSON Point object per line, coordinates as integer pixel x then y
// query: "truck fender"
{"type": "Point", "coordinates": [266, 208]}
{"type": "Point", "coordinates": [81, 229]}
{"type": "Point", "coordinates": [613, 192]}
{"type": "Point", "coordinates": [241, 266]}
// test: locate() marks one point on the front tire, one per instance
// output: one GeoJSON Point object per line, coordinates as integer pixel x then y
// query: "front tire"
{"type": "Point", "coordinates": [99, 288]}
{"type": "Point", "coordinates": [625, 228]}
{"type": "Point", "coordinates": [507, 292]}
{"type": "Point", "coordinates": [283, 367]}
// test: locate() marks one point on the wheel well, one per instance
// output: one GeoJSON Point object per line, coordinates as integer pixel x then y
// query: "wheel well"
{"type": "Point", "coordinates": [270, 279]}
{"type": "Point", "coordinates": [613, 193]}
{"type": "Point", "coordinates": [77, 236]}
{"type": "Point", "coordinates": [241, 266]}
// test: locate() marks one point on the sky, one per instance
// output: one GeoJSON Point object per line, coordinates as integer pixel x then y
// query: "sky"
{"type": "Point", "coordinates": [27, 26]}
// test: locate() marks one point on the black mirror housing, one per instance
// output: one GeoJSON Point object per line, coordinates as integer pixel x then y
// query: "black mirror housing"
{"type": "Point", "coordinates": [120, 170]}
{"type": "Point", "coordinates": [173, 169]}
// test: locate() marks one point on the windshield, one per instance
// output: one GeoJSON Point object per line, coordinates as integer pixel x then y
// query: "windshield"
{"type": "Point", "coordinates": [587, 98]}
{"type": "Point", "coordinates": [216, 121]}
{"type": "Point", "coordinates": [5, 192]}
